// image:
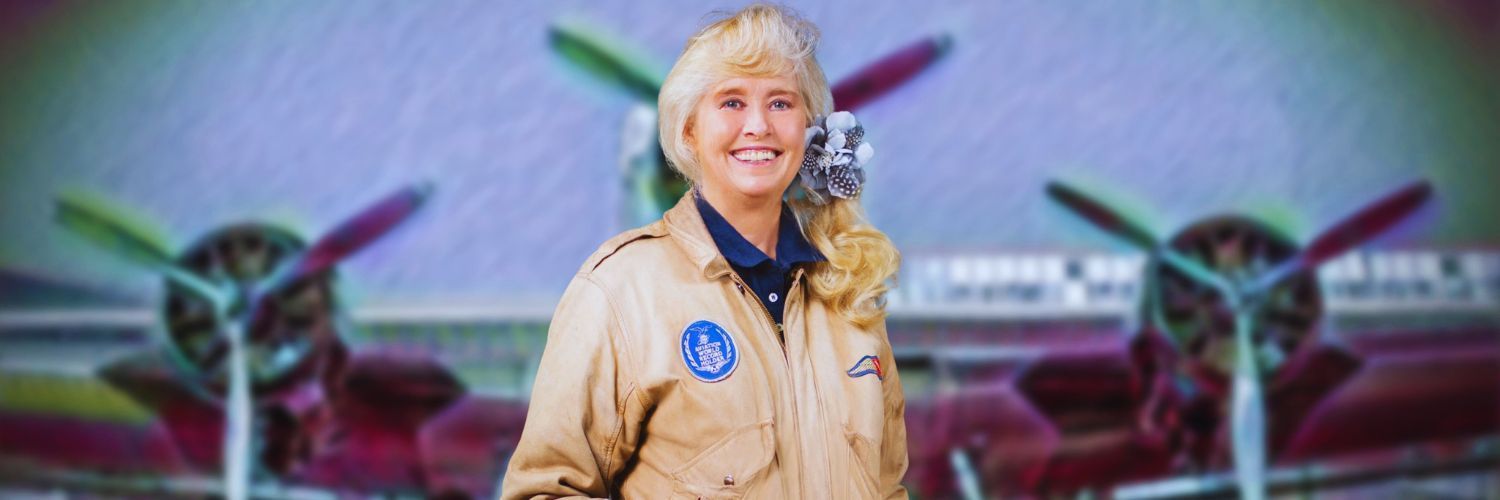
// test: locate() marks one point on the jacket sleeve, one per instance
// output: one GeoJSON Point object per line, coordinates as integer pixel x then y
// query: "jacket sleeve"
{"type": "Point", "coordinates": [893, 459]}
{"type": "Point", "coordinates": [583, 421]}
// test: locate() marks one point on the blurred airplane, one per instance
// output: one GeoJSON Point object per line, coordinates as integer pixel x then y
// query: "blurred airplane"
{"type": "Point", "coordinates": [253, 391]}
{"type": "Point", "coordinates": [1092, 416]}
{"type": "Point", "coordinates": [253, 381]}
{"type": "Point", "coordinates": [651, 184]}
{"type": "Point", "coordinates": [1068, 409]}
{"type": "Point", "coordinates": [1228, 331]}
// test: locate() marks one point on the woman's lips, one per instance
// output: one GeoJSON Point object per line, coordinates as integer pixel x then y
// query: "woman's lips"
{"type": "Point", "coordinates": [755, 157]}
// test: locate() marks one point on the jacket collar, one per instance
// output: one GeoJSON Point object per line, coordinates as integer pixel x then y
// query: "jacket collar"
{"type": "Point", "coordinates": [687, 228]}
{"type": "Point", "coordinates": [791, 247]}
{"type": "Point", "coordinates": [685, 222]}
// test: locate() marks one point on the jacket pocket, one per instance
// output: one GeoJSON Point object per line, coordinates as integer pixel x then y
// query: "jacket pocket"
{"type": "Point", "coordinates": [866, 458]}
{"type": "Point", "coordinates": [730, 466]}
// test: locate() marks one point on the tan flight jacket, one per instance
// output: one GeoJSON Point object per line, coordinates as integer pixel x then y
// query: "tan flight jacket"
{"type": "Point", "coordinates": [615, 411]}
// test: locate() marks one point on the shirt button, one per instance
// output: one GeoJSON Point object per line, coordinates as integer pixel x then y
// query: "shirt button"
{"type": "Point", "coordinates": [772, 297]}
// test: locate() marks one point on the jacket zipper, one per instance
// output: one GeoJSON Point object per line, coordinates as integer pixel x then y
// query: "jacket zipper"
{"type": "Point", "coordinates": [785, 361]}
{"type": "Point", "coordinates": [780, 336]}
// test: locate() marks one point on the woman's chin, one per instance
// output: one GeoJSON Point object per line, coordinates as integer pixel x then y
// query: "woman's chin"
{"type": "Point", "coordinates": [757, 187]}
{"type": "Point", "coordinates": [754, 180]}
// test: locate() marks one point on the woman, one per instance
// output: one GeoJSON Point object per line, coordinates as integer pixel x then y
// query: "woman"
{"type": "Point", "coordinates": [736, 347]}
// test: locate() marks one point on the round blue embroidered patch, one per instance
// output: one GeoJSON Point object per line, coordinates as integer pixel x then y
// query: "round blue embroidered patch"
{"type": "Point", "coordinates": [708, 351]}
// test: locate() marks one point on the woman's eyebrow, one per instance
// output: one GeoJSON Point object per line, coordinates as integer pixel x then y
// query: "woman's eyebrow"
{"type": "Point", "coordinates": [729, 91]}
{"type": "Point", "coordinates": [740, 91]}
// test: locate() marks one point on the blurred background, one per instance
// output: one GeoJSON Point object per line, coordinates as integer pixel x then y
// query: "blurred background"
{"type": "Point", "coordinates": [1041, 355]}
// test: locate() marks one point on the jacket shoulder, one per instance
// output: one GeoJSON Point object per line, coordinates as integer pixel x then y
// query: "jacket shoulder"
{"type": "Point", "coordinates": [613, 246]}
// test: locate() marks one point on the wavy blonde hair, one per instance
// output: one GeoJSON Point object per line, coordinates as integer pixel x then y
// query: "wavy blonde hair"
{"type": "Point", "coordinates": [760, 41]}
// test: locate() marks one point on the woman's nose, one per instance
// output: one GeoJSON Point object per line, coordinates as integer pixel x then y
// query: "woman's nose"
{"type": "Point", "coordinates": [755, 123]}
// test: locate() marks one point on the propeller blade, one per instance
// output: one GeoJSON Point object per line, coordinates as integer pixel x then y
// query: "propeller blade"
{"type": "Point", "coordinates": [237, 418]}
{"type": "Point", "coordinates": [1354, 230]}
{"type": "Point", "coordinates": [1366, 224]}
{"type": "Point", "coordinates": [1194, 270]}
{"type": "Point", "coordinates": [968, 477]}
{"type": "Point", "coordinates": [889, 72]}
{"type": "Point", "coordinates": [1101, 216]}
{"type": "Point", "coordinates": [111, 228]}
{"type": "Point", "coordinates": [1247, 419]}
{"type": "Point", "coordinates": [107, 227]}
{"type": "Point", "coordinates": [1115, 223]}
{"type": "Point", "coordinates": [353, 235]}
{"type": "Point", "coordinates": [608, 59]}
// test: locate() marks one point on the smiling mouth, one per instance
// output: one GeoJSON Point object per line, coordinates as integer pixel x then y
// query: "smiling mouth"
{"type": "Point", "coordinates": [755, 156]}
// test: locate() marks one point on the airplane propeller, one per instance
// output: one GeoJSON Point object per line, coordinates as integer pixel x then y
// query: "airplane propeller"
{"type": "Point", "coordinates": [109, 228]}
{"type": "Point", "coordinates": [1246, 298]}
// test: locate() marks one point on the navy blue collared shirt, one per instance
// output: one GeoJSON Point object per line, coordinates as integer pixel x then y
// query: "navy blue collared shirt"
{"type": "Point", "coordinates": [769, 278]}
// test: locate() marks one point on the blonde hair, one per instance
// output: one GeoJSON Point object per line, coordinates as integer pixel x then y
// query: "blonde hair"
{"type": "Point", "coordinates": [766, 40]}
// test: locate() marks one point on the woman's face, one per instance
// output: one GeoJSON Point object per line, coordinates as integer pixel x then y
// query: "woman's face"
{"type": "Point", "coordinates": [748, 135]}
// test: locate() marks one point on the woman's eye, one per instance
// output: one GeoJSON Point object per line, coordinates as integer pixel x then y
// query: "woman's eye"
{"type": "Point", "coordinates": [732, 104]}
{"type": "Point", "coordinates": [780, 104]}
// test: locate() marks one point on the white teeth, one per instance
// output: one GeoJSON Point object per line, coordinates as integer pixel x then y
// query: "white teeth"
{"type": "Point", "coordinates": [755, 155]}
